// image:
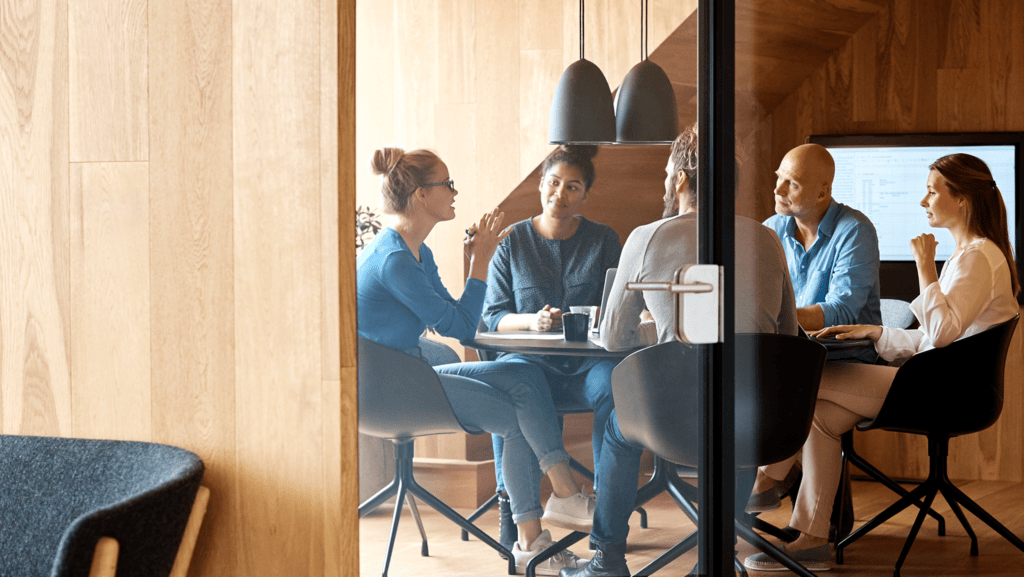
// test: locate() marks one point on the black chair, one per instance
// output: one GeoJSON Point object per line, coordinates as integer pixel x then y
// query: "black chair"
{"type": "Point", "coordinates": [121, 508]}
{"type": "Point", "coordinates": [776, 385]}
{"type": "Point", "coordinates": [944, 393]}
{"type": "Point", "coordinates": [401, 398]}
{"type": "Point", "coordinates": [896, 314]}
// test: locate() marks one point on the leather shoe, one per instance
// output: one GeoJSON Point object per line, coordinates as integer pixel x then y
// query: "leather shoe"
{"type": "Point", "coordinates": [608, 561]}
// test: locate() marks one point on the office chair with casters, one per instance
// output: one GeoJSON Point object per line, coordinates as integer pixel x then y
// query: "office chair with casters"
{"type": "Point", "coordinates": [776, 387]}
{"type": "Point", "coordinates": [98, 507]}
{"type": "Point", "coordinates": [944, 393]}
{"type": "Point", "coordinates": [401, 398]}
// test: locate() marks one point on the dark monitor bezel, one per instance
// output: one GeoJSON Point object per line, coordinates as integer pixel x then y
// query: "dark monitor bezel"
{"type": "Point", "coordinates": [899, 278]}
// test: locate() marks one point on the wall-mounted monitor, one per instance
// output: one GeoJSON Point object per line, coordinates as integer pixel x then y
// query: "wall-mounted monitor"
{"type": "Point", "coordinates": [884, 175]}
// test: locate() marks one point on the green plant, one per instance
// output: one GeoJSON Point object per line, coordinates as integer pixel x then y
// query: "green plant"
{"type": "Point", "coordinates": [367, 227]}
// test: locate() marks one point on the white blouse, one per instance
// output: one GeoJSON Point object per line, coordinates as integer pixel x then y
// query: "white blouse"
{"type": "Point", "coordinates": [972, 294]}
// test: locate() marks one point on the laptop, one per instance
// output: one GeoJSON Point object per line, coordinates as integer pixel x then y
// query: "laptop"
{"type": "Point", "coordinates": [609, 278]}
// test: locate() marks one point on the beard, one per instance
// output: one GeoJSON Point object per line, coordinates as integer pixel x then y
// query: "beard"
{"type": "Point", "coordinates": [671, 198]}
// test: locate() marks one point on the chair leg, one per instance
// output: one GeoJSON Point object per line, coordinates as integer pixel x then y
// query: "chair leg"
{"type": "Point", "coordinates": [853, 457]}
{"type": "Point", "coordinates": [766, 527]}
{"type": "Point", "coordinates": [960, 516]}
{"type": "Point", "coordinates": [552, 550]}
{"type": "Point", "coordinates": [394, 527]}
{"type": "Point", "coordinates": [980, 513]}
{"type": "Point", "coordinates": [461, 521]}
{"type": "Point", "coordinates": [882, 517]}
{"type": "Point", "coordinates": [424, 550]}
{"type": "Point", "coordinates": [370, 505]}
{"type": "Point", "coordinates": [480, 511]}
{"type": "Point", "coordinates": [748, 535]}
{"type": "Point", "coordinates": [669, 556]}
{"type": "Point", "coordinates": [913, 530]}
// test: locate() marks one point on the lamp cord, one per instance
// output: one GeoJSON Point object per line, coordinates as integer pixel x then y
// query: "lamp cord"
{"type": "Point", "coordinates": [581, 30]}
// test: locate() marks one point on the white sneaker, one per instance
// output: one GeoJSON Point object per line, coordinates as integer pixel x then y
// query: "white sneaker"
{"type": "Point", "coordinates": [575, 512]}
{"type": "Point", "coordinates": [563, 559]}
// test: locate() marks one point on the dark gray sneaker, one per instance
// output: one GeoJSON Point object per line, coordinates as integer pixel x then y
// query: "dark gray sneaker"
{"type": "Point", "coordinates": [814, 559]}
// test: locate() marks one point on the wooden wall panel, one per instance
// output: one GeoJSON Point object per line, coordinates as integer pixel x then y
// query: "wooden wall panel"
{"type": "Point", "coordinates": [192, 255]}
{"type": "Point", "coordinates": [108, 80]}
{"type": "Point", "coordinates": [110, 332]}
{"type": "Point", "coordinates": [279, 405]}
{"type": "Point", "coordinates": [226, 183]}
{"type": "Point", "coordinates": [35, 259]}
{"type": "Point", "coordinates": [923, 66]}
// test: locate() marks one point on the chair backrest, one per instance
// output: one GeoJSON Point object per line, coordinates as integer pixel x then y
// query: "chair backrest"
{"type": "Point", "coordinates": [955, 390]}
{"type": "Point", "coordinates": [60, 496]}
{"type": "Point", "coordinates": [777, 377]}
{"type": "Point", "coordinates": [896, 313]}
{"type": "Point", "coordinates": [400, 396]}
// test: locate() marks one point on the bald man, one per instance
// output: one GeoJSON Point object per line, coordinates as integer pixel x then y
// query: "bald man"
{"type": "Point", "coordinates": [831, 249]}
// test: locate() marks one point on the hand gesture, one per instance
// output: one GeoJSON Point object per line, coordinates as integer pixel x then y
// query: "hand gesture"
{"type": "Point", "coordinates": [845, 332]}
{"type": "Point", "coordinates": [924, 248]}
{"type": "Point", "coordinates": [483, 238]}
{"type": "Point", "coordinates": [547, 319]}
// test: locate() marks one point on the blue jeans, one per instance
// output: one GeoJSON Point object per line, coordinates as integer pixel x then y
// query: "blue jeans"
{"type": "Point", "coordinates": [511, 400]}
{"type": "Point", "coordinates": [591, 389]}
{"type": "Point", "coordinates": [620, 469]}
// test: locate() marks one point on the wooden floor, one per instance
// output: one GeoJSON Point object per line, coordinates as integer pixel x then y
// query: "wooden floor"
{"type": "Point", "coordinates": [873, 555]}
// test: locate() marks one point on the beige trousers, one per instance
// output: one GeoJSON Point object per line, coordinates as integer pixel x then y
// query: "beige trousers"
{"type": "Point", "coordinates": [848, 393]}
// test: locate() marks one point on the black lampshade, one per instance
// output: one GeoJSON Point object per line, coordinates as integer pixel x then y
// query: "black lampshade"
{"type": "Point", "coordinates": [581, 110]}
{"type": "Point", "coordinates": [645, 107]}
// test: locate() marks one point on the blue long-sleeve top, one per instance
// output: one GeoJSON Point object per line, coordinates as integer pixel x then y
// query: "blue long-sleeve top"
{"type": "Point", "coordinates": [399, 296]}
{"type": "Point", "coordinates": [840, 270]}
{"type": "Point", "coordinates": [529, 271]}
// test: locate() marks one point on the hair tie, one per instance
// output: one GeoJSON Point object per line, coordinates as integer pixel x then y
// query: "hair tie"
{"type": "Point", "coordinates": [993, 183]}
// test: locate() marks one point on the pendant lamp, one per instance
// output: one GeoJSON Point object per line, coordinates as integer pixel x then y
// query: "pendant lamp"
{"type": "Point", "coordinates": [645, 105]}
{"type": "Point", "coordinates": [582, 111]}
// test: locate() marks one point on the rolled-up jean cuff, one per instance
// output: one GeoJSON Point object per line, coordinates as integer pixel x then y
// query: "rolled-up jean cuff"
{"type": "Point", "coordinates": [553, 458]}
{"type": "Point", "coordinates": [527, 516]}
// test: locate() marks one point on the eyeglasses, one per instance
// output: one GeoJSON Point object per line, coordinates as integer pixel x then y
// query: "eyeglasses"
{"type": "Point", "coordinates": [449, 183]}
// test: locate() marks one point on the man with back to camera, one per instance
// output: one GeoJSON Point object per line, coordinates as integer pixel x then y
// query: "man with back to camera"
{"type": "Point", "coordinates": [831, 249]}
{"type": "Point", "coordinates": [653, 252]}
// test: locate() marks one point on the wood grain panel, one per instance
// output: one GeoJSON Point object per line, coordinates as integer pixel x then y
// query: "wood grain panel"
{"type": "Point", "coordinates": [455, 142]}
{"type": "Point", "coordinates": [108, 80]}
{"type": "Point", "coordinates": [415, 65]}
{"type": "Point", "coordinates": [958, 30]}
{"type": "Point", "coordinates": [279, 402]}
{"type": "Point", "coordinates": [498, 106]}
{"type": "Point", "coordinates": [35, 258]}
{"type": "Point", "coordinates": [347, 177]}
{"type": "Point", "coordinates": [962, 105]}
{"type": "Point", "coordinates": [110, 332]}
{"type": "Point", "coordinates": [192, 255]}
{"type": "Point", "coordinates": [456, 67]}
{"type": "Point", "coordinates": [330, 151]}
{"type": "Point", "coordinates": [376, 93]}
{"type": "Point", "coordinates": [539, 72]}
{"type": "Point", "coordinates": [541, 24]}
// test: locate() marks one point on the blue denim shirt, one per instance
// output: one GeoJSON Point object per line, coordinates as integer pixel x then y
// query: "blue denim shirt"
{"type": "Point", "coordinates": [840, 271]}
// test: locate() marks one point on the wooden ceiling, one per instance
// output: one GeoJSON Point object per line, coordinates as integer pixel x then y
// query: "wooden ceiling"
{"type": "Point", "coordinates": [779, 43]}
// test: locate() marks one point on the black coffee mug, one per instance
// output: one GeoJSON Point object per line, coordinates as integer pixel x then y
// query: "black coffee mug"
{"type": "Point", "coordinates": [576, 327]}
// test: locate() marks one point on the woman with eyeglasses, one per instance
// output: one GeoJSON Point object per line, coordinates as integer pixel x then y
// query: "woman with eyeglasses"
{"type": "Point", "coordinates": [400, 293]}
{"type": "Point", "coordinates": [547, 264]}
{"type": "Point", "coordinates": [976, 290]}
